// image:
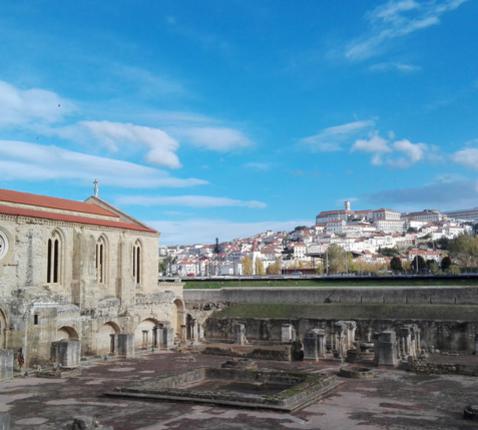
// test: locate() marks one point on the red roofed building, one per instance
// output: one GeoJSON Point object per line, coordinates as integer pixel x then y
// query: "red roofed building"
{"type": "Point", "coordinates": [84, 273]}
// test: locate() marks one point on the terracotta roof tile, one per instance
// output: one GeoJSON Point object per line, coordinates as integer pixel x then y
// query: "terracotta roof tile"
{"type": "Point", "coordinates": [31, 213]}
{"type": "Point", "coordinates": [53, 203]}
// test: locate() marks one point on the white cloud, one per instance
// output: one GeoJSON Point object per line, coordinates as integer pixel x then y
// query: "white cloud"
{"type": "Point", "coordinates": [332, 138]}
{"type": "Point", "coordinates": [28, 161]}
{"type": "Point", "coordinates": [397, 19]}
{"type": "Point", "coordinates": [220, 139]}
{"type": "Point", "coordinates": [116, 136]}
{"type": "Point", "coordinates": [22, 107]}
{"type": "Point", "coordinates": [374, 144]}
{"type": "Point", "coordinates": [396, 153]}
{"type": "Point", "coordinates": [206, 230]}
{"type": "Point", "coordinates": [467, 157]}
{"type": "Point", "coordinates": [395, 67]}
{"type": "Point", "coordinates": [194, 201]}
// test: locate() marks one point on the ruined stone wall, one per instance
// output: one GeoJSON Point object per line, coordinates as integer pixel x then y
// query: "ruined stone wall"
{"type": "Point", "coordinates": [34, 313]}
{"type": "Point", "coordinates": [339, 294]}
{"type": "Point", "coordinates": [441, 335]}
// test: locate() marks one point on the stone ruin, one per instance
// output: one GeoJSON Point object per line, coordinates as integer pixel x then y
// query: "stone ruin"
{"type": "Point", "coordinates": [240, 334]}
{"type": "Point", "coordinates": [392, 346]}
{"type": "Point", "coordinates": [288, 333]}
{"type": "Point", "coordinates": [314, 344]}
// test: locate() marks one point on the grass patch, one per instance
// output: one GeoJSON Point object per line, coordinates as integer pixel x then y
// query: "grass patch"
{"type": "Point", "coordinates": [352, 311]}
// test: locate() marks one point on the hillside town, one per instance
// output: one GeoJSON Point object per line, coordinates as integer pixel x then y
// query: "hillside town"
{"type": "Point", "coordinates": [340, 241]}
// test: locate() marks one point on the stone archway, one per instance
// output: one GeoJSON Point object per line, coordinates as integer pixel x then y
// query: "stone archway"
{"type": "Point", "coordinates": [147, 334]}
{"type": "Point", "coordinates": [67, 333]}
{"type": "Point", "coordinates": [179, 323]}
{"type": "Point", "coordinates": [106, 338]}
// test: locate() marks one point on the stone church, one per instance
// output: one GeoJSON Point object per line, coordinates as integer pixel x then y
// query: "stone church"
{"type": "Point", "coordinates": [83, 274]}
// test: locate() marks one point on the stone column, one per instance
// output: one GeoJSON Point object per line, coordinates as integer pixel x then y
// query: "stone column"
{"type": "Point", "coordinates": [314, 344]}
{"type": "Point", "coordinates": [66, 353]}
{"type": "Point", "coordinates": [6, 364]}
{"type": "Point", "coordinates": [322, 344]}
{"type": "Point", "coordinates": [240, 334]}
{"type": "Point", "coordinates": [168, 337]}
{"type": "Point", "coordinates": [126, 345]}
{"type": "Point", "coordinates": [386, 349]}
{"type": "Point", "coordinates": [288, 333]}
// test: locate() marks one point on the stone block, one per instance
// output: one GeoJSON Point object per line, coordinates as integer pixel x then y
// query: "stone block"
{"type": "Point", "coordinates": [126, 345]}
{"type": "Point", "coordinates": [314, 344]}
{"type": "Point", "coordinates": [6, 364]}
{"type": "Point", "coordinates": [66, 353]}
{"type": "Point", "coordinates": [167, 338]}
{"type": "Point", "coordinates": [386, 349]}
{"type": "Point", "coordinates": [240, 334]}
{"type": "Point", "coordinates": [288, 333]}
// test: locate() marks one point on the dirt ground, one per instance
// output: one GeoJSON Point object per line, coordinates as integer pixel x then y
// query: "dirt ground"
{"type": "Point", "coordinates": [393, 400]}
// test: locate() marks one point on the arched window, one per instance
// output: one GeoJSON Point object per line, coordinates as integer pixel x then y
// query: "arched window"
{"type": "Point", "coordinates": [100, 260]}
{"type": "Point", "coordinates": [54, 259]}
{"type": "Point", "coordinates": [137, 256]}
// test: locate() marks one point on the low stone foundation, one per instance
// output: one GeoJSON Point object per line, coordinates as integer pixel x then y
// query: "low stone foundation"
{"type": "Point", "coordinates": [283, 391]}
{"type": "Point", "coordinates": [257, 352]}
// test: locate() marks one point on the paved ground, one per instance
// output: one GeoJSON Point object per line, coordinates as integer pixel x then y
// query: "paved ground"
{"type": "Point", "coordinates": [394, 400]}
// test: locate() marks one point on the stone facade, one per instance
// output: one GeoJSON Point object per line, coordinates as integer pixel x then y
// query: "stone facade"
{"type": "Point", "coordinates": [80, 271]}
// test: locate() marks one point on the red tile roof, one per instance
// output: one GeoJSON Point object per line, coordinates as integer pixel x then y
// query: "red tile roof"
{"type": "Point", "coordinates": [31, 213]}
{"type": "Point", "coordinates": [53, 203]}
{"type": "Point", "coordinates": [46, 202]}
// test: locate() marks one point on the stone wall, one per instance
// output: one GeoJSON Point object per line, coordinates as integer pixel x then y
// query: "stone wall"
{"type": "Point", "coordinates": [34, 313]}
{"type": "Point", "coordinates": [441, 335]}
{"type": "Point", "coordinates": [353, 295]}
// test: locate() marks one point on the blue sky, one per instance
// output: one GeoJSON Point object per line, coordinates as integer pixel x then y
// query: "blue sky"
{"type": "Point", "coordinates": [219, 118]}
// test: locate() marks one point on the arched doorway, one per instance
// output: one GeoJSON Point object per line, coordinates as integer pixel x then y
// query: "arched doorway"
{"type": "Point", "coordinates": [179, 305]}
{"type": "Point", "coordinates": [3, 330]}
{"type": "Point", "coordinates": [190, 326]}
{"type": "Point", "coordinates": [106, 338]}
{"type": "Point", "coordinates": [148, 334]}
{"type": "Point", "coordinates": [67, 333]}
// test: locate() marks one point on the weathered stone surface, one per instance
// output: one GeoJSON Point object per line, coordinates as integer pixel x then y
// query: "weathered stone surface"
{"type": "Point", "coordinates": [66, 353]}
{"type": "Point", "coordinates": [78, 305]}
{"type": "Point", "coordinates": [240, 332]}
{"type": "Point", "coordinates": [386, 349]}
{"type": "Point", "coordinates": [126, 345]}
{"type": "Point", "coordinates": [314, 344]}
{"type": "Point", "coordinates": [6, 364]}
{"type": "Point", "coordinates": [288, 333]}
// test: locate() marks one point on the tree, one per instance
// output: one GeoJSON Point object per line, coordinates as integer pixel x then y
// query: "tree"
{"type": "Point", "coordinates": [433, 266]}
{"type": "Point", "coordinates": [445, 263]}
{"type": "Point", "coordinates": [388, 252]}
{"type": "Point", "coordinates": [339, 261]}
{"type": "Point", "coordinates": [274, 268]}
{"type": "Point", "coordinates": [247, 265]}
{"type": "Point", "coordinates": [396, 264]}
{"type": "Point", "coordinates": [464, 251]}
{"type": "Point", "coordinates": [259, 267]}
{"type": "Point", "coordinates": [418, 264]}
{"type": "Point", "coordinates": [454, 270]}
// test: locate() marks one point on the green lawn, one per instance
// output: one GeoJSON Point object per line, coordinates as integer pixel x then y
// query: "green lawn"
{"type": "Point", "coordinates": [369, 282]}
